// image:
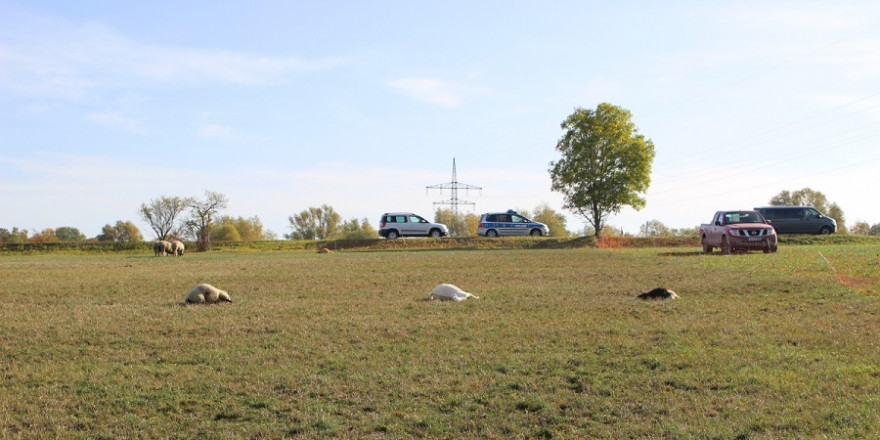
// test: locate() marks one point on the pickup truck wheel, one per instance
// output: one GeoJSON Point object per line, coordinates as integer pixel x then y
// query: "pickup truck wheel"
{"type": "Point", "coordinates": [725, 246]}
{"type": "Point", "coordinates": [707, 249]}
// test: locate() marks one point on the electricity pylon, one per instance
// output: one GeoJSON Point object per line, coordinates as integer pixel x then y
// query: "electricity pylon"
{"type": "Point", "coordinates": [454, 186]}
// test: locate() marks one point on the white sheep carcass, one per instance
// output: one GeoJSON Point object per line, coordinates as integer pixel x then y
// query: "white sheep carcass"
{"type": "Point", "coordinates": [207, 294]}
{"type": "Point", "coordinates": [450, 291]}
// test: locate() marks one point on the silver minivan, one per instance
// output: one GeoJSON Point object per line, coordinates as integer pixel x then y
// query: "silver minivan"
{"type": "Point", "coordinates": [407, 224]}
{"type": "Point", "coordinates": [798, 220]}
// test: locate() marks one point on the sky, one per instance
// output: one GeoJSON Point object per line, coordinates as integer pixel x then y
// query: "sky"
{"type": "Point", "coordinates": [285, 105]}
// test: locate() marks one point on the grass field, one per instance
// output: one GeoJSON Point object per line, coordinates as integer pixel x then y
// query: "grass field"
{"type": "Point", "coordinates": [345, 345]}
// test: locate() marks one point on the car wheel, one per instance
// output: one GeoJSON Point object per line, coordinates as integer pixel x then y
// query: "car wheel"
{"type": "Point", "coordinates": [393, 234]}
{"type": "Point", "coordinates": [707, 249]}
{"type": "Point", "coordinates": [434, 233]}
{"type": "Point", "coordinates": [535, 233]}
{"type": "Point", "coordinates": [825, 230]}
{"type": "Point", "coordinates": [491, 233]}
{"type": "Point", "coordinates": [725, 246]}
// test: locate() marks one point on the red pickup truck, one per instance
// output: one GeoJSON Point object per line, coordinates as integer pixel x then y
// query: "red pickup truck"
{"type": "Point", "coordinates": [738, 230]}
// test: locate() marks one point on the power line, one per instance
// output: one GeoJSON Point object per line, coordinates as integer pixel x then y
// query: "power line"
{"type": "Point", "coordinates": [454, 186]}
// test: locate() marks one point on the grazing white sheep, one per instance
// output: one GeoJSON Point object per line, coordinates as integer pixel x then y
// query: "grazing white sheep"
{"type": "Point", "coordinates": [207, 294]}
{"type": "Point", "coordinates": [449, 291]}
{"type": "Point", "coordinates": [177, 248]}
{"type": "Point", "coordinates": [658, 293]}
{"type": "Point", "coordinates": [161, 247]}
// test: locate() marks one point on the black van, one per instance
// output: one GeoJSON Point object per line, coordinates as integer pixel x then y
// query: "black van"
{"type": "Point", "coordinates": [798, 220]}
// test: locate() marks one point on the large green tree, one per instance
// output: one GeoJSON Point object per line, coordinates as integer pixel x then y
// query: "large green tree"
{"type": "Point", "coordinates": [605, 164]}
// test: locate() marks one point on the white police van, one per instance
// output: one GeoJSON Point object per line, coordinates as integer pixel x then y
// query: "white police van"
{"type": "Point", "coordinates": [493, 224]}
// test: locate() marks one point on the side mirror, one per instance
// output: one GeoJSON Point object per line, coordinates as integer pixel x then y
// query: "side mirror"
{"type": "Point", "coordinates": [717, 222]}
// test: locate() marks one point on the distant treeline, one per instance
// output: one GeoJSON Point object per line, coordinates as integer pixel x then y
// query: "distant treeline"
{"type": "Point", "coordinates": [605, 242]}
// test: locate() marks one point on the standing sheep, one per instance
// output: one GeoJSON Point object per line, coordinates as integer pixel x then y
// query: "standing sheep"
{"type": "Point", "coordinates": [177, 248]}
{"type": "Point", "coordinates": [206, 294]}
{"type": "Point", "coordinates": [161, 247]}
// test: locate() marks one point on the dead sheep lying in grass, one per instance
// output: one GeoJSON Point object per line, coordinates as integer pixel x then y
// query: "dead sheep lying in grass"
{"type": "Point", "coordinates": [324, 251]}
{"type": "Point", "coordinates": [449, 291]}
{"type": "Point", "coordinates": [207, 294]}
{"type": "Point", "coordinates": [658, 293]}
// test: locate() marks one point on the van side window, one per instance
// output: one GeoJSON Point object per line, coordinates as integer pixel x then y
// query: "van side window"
{"type": "Point", "coordinates": [790, 214]}
{"type": "Point", "coordinates": [812, 213]}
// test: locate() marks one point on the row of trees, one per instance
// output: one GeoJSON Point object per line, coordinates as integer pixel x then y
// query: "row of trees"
{"type": "Point", "coordinates": [323, 223]}
{"type": "Point", "coordinates": [199, 220]}
{"type": "Point", "coordinates": [123, 232]}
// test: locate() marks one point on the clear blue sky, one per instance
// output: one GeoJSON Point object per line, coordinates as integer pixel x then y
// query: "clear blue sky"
{"type": "Point", "coordinates": [282, 105]}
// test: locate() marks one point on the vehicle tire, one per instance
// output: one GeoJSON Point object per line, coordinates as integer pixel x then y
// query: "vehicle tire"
{"type": "Point", "coordinates": [491, 233]}
{"type": "Point", "coordinates": [725, 246]}
{"type": "Point", "coordinates": [535, 233]}
{"type": "Point", "coordinates": [435, 233]}
{"type": "Point", "coordinates": [707, 249]}
{"type": "Point", "coordinates": [826, 230]}
{"type": "Point", "coordinates": [393, 234]}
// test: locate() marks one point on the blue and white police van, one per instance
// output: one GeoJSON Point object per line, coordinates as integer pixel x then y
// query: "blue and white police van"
{"type": "Point", "coordinates": [493, 224]}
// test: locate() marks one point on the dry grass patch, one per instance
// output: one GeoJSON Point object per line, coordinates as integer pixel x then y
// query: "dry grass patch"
{"type": "Point", "coordinates": [758, 346]}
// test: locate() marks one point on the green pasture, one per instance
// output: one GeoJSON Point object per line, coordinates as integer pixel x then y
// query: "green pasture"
{"type": "Point", "coordinates": [345, 345]}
